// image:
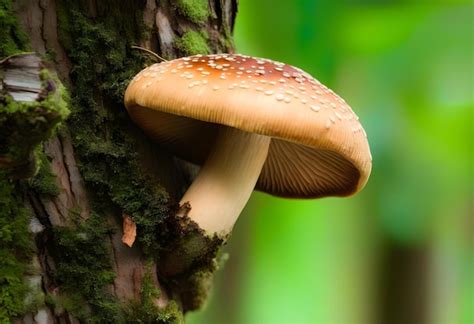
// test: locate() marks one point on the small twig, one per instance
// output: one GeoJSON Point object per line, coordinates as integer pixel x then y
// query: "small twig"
{"type": "Point", "coordinates": [150, 53]}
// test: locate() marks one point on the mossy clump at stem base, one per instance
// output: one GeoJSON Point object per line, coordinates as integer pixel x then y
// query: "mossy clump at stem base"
{"type": "Point", "coordinates": [12, 38]}
{"type": "Point", "coordinates": [193, 42]}
{"type": "Point", "coordinates": [190, 259]}
{"type": "Point", "coordinates": [196, 11]}
{"type": "Point", "coordinates": [24, 125]}
{"type": "Point", "coordinates": [16, 250]}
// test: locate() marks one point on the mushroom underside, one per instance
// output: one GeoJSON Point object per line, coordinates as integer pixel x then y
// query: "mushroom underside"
{"type": "Point", "coordinates": [291, 170]}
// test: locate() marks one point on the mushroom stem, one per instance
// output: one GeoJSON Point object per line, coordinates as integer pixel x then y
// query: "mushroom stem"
{"type": "Point", "coordinates": [226, 180]}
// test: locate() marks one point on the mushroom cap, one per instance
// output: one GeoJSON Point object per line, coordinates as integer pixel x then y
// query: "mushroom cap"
{"type": "Point", "coordinates": [318, 146]}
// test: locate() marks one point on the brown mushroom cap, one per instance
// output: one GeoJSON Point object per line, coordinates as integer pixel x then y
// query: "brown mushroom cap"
{"type": "Point", "coordinates": [318, 146]}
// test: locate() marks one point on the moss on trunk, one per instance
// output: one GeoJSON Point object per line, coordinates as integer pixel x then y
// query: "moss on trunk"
{"type": "Point", "coordinates": [24, 125]}
{"type": "Point", "coordinates": [12, 38]}
{"type": "Point", "coordinates": [16, 249]}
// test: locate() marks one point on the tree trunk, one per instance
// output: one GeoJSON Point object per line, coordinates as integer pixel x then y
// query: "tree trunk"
{"type": "Point", "coordinates": [67, 186]}
{"type": "Point", "coordinates": [404, 290]}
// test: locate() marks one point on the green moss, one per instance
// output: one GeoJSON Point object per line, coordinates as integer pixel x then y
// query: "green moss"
{"type": "Point", "coordinates": [136, 312]}
{"type": "Point", "coordinates": [106, 40]}
{"type": "Point", "coordinates": [44, 182]}
{"type": "Point", "coordinates": [190, 260]}
{"type": "Point", "coordinates": [84, 270]}
{"type": "Point", "coordinates": [145, 310]}
{"type": "Point", "coordinates": [195, 10]}
{"type": "Point", "coordinates": [84, 274]}
{"type": "Point", "coordinates": [12, 38]}
{"type": "Point", "coordinates": [148, 291]}
{"type": "Point", "coordinates": [15, 251]}
{"type": "Point", "coordinates": [24, 125]}
{"type": "Point", "coordinates": [193, 42]}
{"type": "Point", "coordinates": [196, 285]}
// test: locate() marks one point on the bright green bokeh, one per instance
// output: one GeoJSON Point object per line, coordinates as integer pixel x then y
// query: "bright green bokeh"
{"type": "Point", "coordinates": [406, 68]}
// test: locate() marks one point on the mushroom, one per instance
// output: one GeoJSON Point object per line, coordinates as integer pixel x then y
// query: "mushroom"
{"type": "Point", "coordinates": [251, 123]}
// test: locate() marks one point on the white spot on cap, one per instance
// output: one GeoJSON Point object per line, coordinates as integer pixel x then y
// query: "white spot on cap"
{"type": "Point", "coordinates": [269, 92]}
{"type": "Point", "coordinates": [315, 108]}
{"type": "Point", "coordinates": [280, 97]}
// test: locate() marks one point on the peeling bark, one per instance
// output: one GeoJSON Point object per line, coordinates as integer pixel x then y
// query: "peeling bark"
{"type": "Point", "coordinates": [73, 205]}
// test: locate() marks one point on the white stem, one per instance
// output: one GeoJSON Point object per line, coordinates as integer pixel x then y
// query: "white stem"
{"type": "Point", "coordinates": [226, 180]}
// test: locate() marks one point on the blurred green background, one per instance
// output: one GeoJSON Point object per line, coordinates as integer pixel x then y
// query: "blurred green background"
{"type": "Point", "coordinates": [401, 251]}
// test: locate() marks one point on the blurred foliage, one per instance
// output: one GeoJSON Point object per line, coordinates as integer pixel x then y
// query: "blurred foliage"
{"type": "Point", "coordinates": [406, 67]}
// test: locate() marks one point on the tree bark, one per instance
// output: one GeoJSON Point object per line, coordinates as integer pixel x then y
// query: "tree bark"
{"type": "Point", "coordinates": [77, 182]}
